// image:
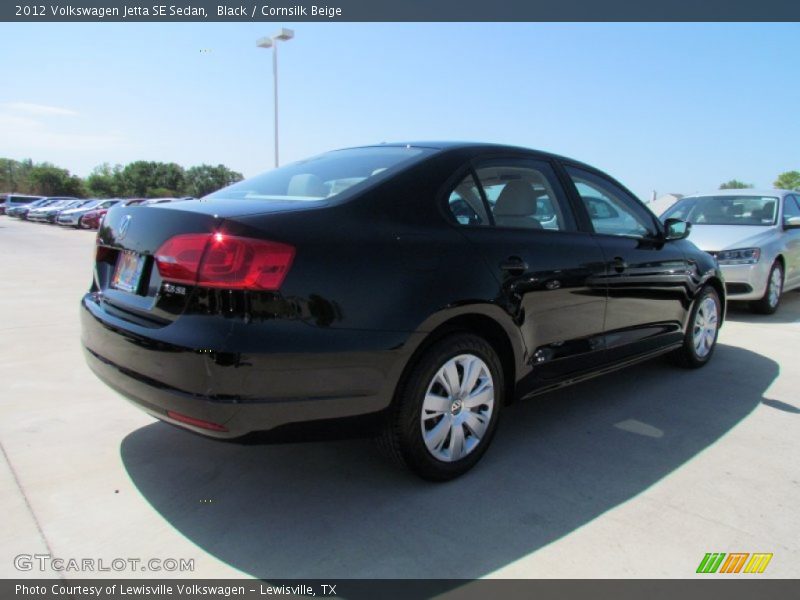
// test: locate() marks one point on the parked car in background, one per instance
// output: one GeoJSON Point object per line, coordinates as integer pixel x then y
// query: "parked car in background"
{"type": "Point", "coordinates": [163, 200]}
{"type": "Point", "coordinates": [21, 211]}
{"type": "Point", "coordinates": [755, 237]}
{"type": "Point", "coordinates": [379, 285]}
{"type": "Point", "coordinates": [72, 216]}
{"type": "Point", "coordinates": [8, 201]}
{"type": "Point", "coordinates": [93, 218]}
{"type": "Point", "coordinates": [49, 213]}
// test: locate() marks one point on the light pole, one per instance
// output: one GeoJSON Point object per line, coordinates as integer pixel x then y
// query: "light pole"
{"type": "Point", "coordinates": [282, 35]}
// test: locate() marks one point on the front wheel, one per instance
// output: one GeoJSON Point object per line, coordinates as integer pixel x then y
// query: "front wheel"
{"type": "Point", "coordinates": [700, 339]}
{"type": "Point", "coordinates": [768, 304]}
{"type": "Point", "coordinates": [446, 410]}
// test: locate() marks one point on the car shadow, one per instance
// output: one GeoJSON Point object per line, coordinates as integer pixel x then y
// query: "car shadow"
{"type": "Point", "coordinates": [339, 510]}
{"type": "Point", "coordinates": [788, 311]}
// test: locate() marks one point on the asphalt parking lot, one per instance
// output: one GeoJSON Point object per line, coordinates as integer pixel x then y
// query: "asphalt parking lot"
{"type": "Point", "coordinates": [637, 474]}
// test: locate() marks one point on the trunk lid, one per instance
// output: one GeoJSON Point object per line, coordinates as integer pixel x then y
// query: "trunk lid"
{"type": "Point", "coordinates": [126, 279]}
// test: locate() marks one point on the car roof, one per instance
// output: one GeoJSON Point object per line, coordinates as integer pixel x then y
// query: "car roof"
{"type": "Point", "coordinates": [475, 146]}
{"type": "Point", "coordinates": [743, 192]}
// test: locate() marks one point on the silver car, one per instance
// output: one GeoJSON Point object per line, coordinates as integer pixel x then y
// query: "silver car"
{"type": "Point", "coordinates": [755, 237]}
{"type": "Point", "coordinates": [72, 216]}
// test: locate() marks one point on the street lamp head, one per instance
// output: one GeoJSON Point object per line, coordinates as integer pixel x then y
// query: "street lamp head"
{"type": "Point", "coordinates": [283, 34]}
{"type": "Point", "coordinates": [264, 42]}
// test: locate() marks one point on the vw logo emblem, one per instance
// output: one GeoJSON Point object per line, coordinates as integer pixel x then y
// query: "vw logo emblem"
{"type": "Point", "coordinates": [123, 227]}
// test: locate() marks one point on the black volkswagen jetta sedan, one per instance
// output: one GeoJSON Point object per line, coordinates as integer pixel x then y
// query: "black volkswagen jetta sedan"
{"type": "Point", "coordinates": [412, 288]}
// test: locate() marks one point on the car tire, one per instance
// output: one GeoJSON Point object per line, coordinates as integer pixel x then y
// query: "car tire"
{"type": "Point", "coordinates": [701, 335]}
{"type": "Point", "coordinates": [771, 299]}
{"type": "Point", "coordinates": [437, 430]}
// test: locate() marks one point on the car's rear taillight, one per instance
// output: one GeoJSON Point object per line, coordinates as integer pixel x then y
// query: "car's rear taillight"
{"type": "Point", "coordinates": [224, 261]}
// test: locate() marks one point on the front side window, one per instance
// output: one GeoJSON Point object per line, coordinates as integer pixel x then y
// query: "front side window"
{"type": "Point", "coordinates": [611, 209]}
{"type": "Point", "coordinates": [524, 194]}
{"type": "Point", "coordinates": [324, 176]}
{"type": "Point", "coordinates": [726, 210]}
{"type": "Point", "coordinates": [791, 208]}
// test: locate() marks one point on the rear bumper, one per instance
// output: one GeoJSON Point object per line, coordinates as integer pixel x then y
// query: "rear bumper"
{"type": "Point", "coordinates": [242, 393]}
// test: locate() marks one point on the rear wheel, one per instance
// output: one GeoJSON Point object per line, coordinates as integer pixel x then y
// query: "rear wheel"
{"type": "Point", "coordinates": [446, 410]}
{"type": "Point", "coordinates": [769, 303]}
{"type": "Point", "coordinates": [700, 339]}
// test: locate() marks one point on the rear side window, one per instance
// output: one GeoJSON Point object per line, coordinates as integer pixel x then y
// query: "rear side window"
{"type": "Point", "coordinates": [326, 175]}
{"type": "Point", "coordinates": [524, 194]}
{"type": "Point", "coordinates": [514, 193]}
{"type": "Point", "coordinates": [22, 199]}
{"type": "Point", "coordinates": [611, 209]}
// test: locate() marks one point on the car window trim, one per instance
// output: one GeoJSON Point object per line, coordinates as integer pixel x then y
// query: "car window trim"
{"type": "Point", "coordinates": [582, 217]}
{"type": "Point", "coordinates": [482, 193]}
{"type": "Point", "coordinates": [449, 186]}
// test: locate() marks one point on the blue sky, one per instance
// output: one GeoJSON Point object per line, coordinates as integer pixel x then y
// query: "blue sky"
{"type": "Point", "coordinates": [666, 107]}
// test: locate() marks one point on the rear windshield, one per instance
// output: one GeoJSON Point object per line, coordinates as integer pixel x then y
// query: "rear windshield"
{"type": "Point", "coordinates": [725, 210]}
{"type": "Point", "coordinates": [326, 175]}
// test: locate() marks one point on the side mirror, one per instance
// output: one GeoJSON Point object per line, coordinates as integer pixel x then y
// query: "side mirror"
{"type": "Point", "coordinates": [676, 229]}
{"type": "Point", "coordinates": [791, 222]}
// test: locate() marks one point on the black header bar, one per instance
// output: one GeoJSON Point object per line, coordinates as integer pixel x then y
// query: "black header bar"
{"type": "Point", "coordinates": [399, 10]}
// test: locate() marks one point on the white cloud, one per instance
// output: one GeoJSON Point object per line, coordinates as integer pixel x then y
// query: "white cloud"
{"type": "Point", "coordinates": [41, 110]}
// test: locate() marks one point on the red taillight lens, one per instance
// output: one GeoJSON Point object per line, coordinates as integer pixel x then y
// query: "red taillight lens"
{"type": "Point", "coordinates": [196, 422]}
{"type": "Point", "coordinates": [224, 261]}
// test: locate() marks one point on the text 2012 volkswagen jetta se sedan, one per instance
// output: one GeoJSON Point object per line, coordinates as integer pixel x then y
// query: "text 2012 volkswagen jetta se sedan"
{"type": "Point", "coordinates": [415, 288]}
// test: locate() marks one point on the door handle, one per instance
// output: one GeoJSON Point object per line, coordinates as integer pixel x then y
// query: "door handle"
{"type": "Point", "coordinates": [619, 264]}
{"type": "Point", "coordinates": [514, 264]}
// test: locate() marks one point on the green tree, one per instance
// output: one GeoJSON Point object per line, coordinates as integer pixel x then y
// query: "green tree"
{"type": "Point", "coordinates": [137, 177]}
{"type": "Point", "coordinates": [8, 174]}
{"type": "Point", "coordinates": [105, 181]}
{"type": "Point", "coordinates": [790, 180]}
{"type": "Point", "coordinates": [735, 184]}
{"type": "Point", "coordinates": [49, 180]}
{"type": "Point", "coordinates": [169, 177]}
{"type": "Point", "coordinates": [149, 179]}
{"type": "Point", "coordinates": [205, 179]}
{"type": "Point", "coordinates": [15, 175]}
{"type": "Point", "coordinates": [159, 192]}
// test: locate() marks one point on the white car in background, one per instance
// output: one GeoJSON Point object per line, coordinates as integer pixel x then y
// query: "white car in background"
{"type": "Point", "coordinates": [755, 237]}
